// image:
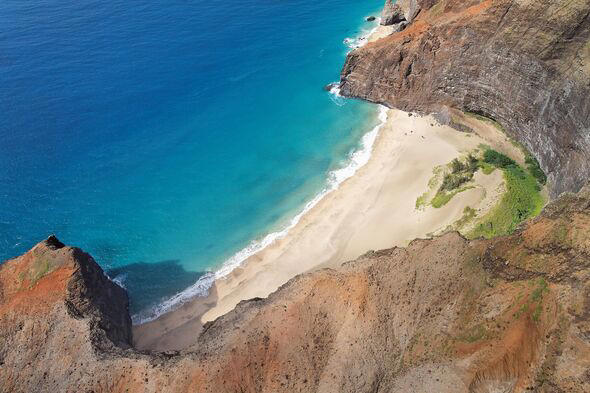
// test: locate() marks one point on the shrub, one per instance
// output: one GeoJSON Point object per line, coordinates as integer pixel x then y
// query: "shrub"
{"type": "Point", "coordinates": [452, 181]}
{"type": "Point", "coordinates": [457, 166]}
{"type": "Point", "coordinates": [498, 159]}
{"type": "Point", "coordinates": [535, 169]}
{"type": "Point", "coordinates": [472, 163]}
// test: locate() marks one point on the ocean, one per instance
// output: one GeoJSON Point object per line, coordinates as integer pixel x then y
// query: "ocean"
{"type": "Point", "coordinates": [170, 141]}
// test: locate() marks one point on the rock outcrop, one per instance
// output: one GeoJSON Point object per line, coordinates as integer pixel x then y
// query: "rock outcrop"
{"type": "Point", "coordinates": [402, 10]}
{"type": "Point", "coordinates": [391, 14]}
{"type": "Point", "coordinates": [524, 63]}
{"type": "Point", "coordinates": [447, 315]}
{"type": "Point", "coordinates": [510, 314]}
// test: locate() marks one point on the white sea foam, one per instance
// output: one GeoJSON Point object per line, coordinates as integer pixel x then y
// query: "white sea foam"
{"type": "Point", "coordinates": [335, 95]}
{"type": "Point", "coordinates": [119, 280]}
{"type": "Point", "coordinates": [200, 288]}
{"type": "Point", "coordinates": [362, 39]}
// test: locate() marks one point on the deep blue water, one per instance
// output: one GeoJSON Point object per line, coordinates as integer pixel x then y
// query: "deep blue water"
{"type": "Point", "coordinates": [164, 138]}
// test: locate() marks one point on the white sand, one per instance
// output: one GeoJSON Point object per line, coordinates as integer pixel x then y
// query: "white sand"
{"type": "Point", "coordinates": [374, 209]}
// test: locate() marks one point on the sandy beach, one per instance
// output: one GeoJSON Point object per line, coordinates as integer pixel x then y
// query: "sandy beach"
{"type": "Point", "coordinates": [372, 210]}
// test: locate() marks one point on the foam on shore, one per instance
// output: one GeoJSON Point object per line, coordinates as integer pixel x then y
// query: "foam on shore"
{"type": "Point", "coordinates": [358, 159]}
{"type": "Point", "coordinates": [363, 38]}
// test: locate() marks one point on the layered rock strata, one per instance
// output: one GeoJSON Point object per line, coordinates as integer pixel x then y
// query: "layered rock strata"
{"type": "Point", "coordinates": [523, 63]}
{"type": "Point", "coordinates": [446, 315]}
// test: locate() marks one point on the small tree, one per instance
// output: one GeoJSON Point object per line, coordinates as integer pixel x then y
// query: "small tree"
{"type": "Point", "coordinates": [472, 162]}
{"type": "Point", "coordinates": [457, 166]}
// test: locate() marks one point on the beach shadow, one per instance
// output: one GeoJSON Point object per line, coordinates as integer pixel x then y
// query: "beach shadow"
{"type": "Point", "coordinates": [150, 283]}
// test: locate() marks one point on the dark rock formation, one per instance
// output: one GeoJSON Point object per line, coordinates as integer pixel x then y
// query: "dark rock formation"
{"type": "Point", "coordinates": [442, 315]}
{"type": "Point", "coordinates": [330, 86]}
{"type": "Point", "coordinates": [370, 18]}
{"type": "Point", "coordinates": [523, 63]}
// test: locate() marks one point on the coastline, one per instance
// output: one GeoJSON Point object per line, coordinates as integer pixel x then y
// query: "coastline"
{"type": "Point", "coordinates": [374, 209]}
{"type": "Point", "coordinates": [369, 204]}
{"type": "Point", "coordinates": [358, 158]}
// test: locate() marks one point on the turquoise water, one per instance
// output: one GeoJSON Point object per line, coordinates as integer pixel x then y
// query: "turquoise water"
{"type": "Point", "coordinates": [165, 138]}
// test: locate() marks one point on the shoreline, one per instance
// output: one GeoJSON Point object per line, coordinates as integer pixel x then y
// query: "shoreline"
{"type": "Point", "coordinates": [255, 271]}
{"type": "Point", "coordinates": [374, 209]}
{"type": "Point", "coordinates": [200, 289]}
{"type": "Point", "coordinates": [357, 159]}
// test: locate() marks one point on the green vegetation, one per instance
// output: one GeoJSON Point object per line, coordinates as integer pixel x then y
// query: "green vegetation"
{"type": "Point", "coordinates": [41, 269]}
{"type": "Point", "coordinates": [535, 300]}
{"type": "Point", "coordinates": [531, 162]}
{"type": "Point", "coordinates": [421, 201]}
{"type": "Point", "coordinates": [497, 159]}
{"type": "Point", "coordinates": [461, 172]}
{"type": "Point", "coordinates": [442, 198]}
{"type": "Point", "coordinates": [453, 181]}
{"type": "Point", "coordinates": [486, 168]}
{"type": "Point", "coordinates": [539, 290]}
{"type": "Point", "coordinates": [469, 214]}
{"type": "Point", "coordinates": [535, 169]}
{"type": "Point", "coordinates": [522, 199]}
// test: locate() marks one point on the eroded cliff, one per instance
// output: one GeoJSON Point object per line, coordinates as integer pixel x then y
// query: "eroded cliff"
{"type": "Point", "coordinates": [524, 63]}
{"type": "Point", "coordinates": [510, 314]}
{"type": "Point", "coordinates": [445, 315]}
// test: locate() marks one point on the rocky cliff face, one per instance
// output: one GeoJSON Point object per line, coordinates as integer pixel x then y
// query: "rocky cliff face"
{"type": "Point", "coordinates": [445, 315]}
{"type": "Point", "coordinates": [524, 63]}
{"type": "Point", "coordinates": [403, 10]}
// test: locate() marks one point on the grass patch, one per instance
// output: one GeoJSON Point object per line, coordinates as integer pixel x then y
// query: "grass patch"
{"type": "Point", "coordinates": [41, 269]}
{"type": "Point", "coordinates": [452, 181]}
{"type": "Point", "coordinates": [531, 162]}
{"type": "Point", "coordinates": [539, 290]}
{"type": "Point", "coordinates": [523, 309]}
{"type": "Point", "coordinates": [486, 168]}
{"type": "Point", "coordinates": [469, 214]}
{"type": "Point", "coordinates": [442, 198]}
{"type": "Point", "coordinates": [521, 201]}
{"type": "Point", "coordinates": [421, 201]}
{"type": "Point", "coordinates": [536, 300]}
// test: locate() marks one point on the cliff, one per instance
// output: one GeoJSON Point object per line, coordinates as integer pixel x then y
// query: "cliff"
{"type": "Point", "coordinates": [445, 315]}
{"type": "Point", "coordinates": [523, 63]}
{"type": "Point", "coordinates": [510, 314]}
